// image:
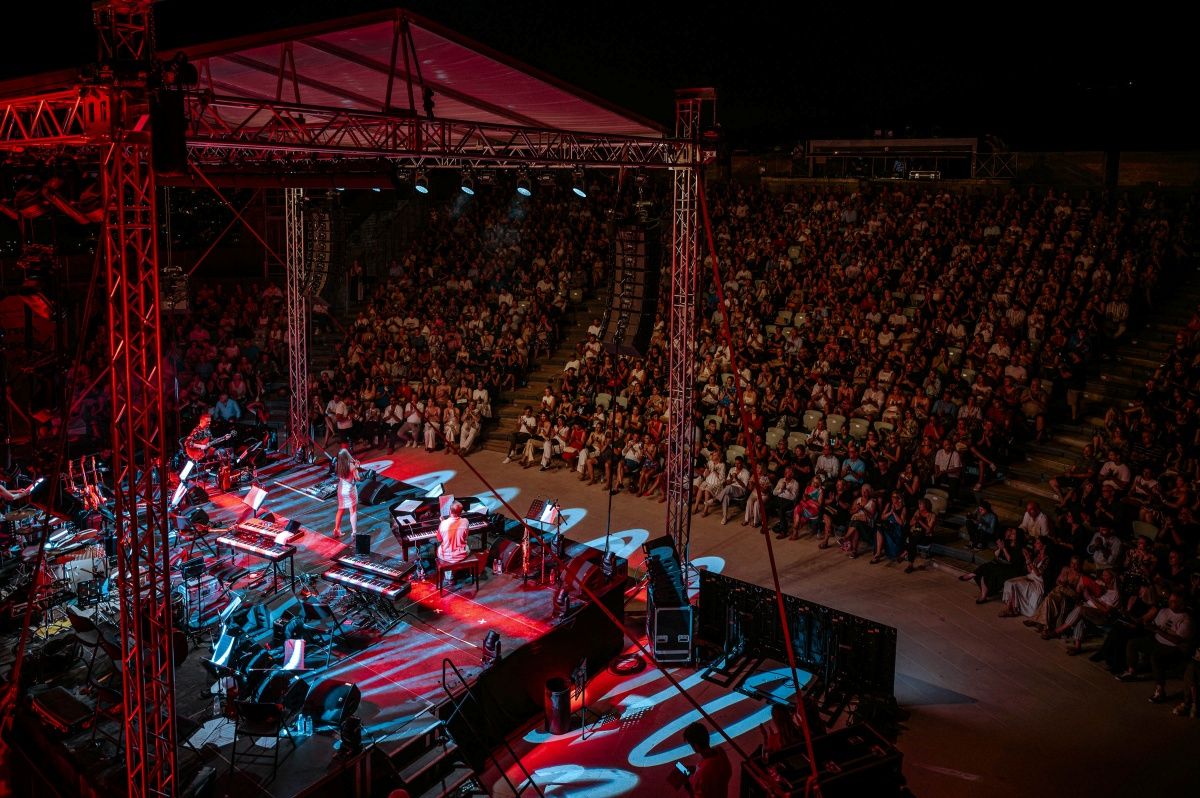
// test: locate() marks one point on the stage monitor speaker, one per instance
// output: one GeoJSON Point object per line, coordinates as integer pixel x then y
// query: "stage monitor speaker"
{"type": "Point", "coordinates": [628, 322]}
{"type": "Point", "coordinates": [197, 517]}
{"type": "Point", "coordinates": [505, 556]}
{"type": "Point", "coordinates": [330, 701]}
{"type": "Point", "coordinates": [362, 544]}
{"type": "Point", "coordinates": [584, 570]}
{"type": "Point", "coordinates": [378, 491]}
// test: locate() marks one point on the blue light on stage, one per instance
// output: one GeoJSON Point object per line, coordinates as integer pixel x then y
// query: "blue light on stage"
{"type": "Point", "coordinates": [579, 192]}
{"type": "Point", "coordinates": [492, 500]}
{"type": "Point", "coordinates": [470, 192]}
{"type": "Point", "coordinates": [624, 543]}
{"type": "Point", "coordinates": [577, 781]}
{"type": "Point", "coordinates": [421, 188]}
{"type": "Point", "coordinates": [524, 191]}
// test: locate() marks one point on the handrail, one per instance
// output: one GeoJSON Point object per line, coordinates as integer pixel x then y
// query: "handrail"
{"type": "Point", "coordinates": [508, 746]}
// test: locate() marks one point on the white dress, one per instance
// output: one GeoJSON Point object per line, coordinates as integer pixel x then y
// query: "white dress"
{"type": "Point", "coordinates": [347, 493]}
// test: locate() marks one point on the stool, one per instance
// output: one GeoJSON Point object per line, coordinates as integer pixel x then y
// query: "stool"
{"type": "Point", "coordinates": [472, 564]}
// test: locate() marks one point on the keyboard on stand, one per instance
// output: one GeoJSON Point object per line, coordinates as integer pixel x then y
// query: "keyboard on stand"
{"type": "Point", "coordinates": [375, 583]}
{"type": "Point", "coordinates": [418, 532]}
{"type": "Point", "coordinates": [270, 529]}
{"type": "Point", "coordinates": [254, 544]}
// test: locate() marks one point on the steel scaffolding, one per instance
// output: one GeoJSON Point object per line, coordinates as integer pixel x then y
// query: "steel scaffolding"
{"type": "Point", "coordinates": [297, 319]}
{"type": "Point", "coordinates": [681, 355]}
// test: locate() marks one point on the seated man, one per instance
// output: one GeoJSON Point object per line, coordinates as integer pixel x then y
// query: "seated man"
{"type": "Point", "coordinates": [1169, 642]}
{"type": "Point", "coordinates": [1084, 468]}
{"type": "Point", "coordinates": [452, 536]}
{"type": "Point", "coordinates": [783, 499]}
{"type": "Point", "coordinates": [947, 467]}
{"type": "Point", "coordinates": [827, 463]}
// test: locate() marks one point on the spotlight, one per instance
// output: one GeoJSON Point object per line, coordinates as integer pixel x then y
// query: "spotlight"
{"type": "Point", "coordinates": [400, 178]}
{"type": "Point", "coordinates": [545, 179]}
{"type": "Point", "coordinates": [468, 184]}
{"type": "Point", "coordinates": [491, 649]}
{"type": "Point", "coordinates": [577, 184]}
{"type": "Point", "coordinates": [524, 185]}
{"type": "Point", "coordinates": [421, 183]}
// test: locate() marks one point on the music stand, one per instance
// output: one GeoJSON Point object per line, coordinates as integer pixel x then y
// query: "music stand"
{"type": "Point", "coordinates": [579, 690]}
{"type": "Point", "coordinates": [536, 508]}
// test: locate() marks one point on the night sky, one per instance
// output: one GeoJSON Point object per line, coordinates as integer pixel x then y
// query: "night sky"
{"type": "Point", "coordinates": [1100, 80]}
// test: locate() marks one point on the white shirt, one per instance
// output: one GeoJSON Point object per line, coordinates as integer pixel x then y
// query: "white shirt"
{"type": "Point", "coordinates": [1177, 623]}
{"type": "Point", "coordinates": [1039, 527]}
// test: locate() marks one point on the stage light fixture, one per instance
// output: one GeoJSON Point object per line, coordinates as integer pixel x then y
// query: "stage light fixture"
{"type": "Point", "coordinates": [577, 184]}
{"type": "Point", "coordinates": [561, 603]}
{"type": "Point", "coordinates": [491, 649]}
{"type": "Point", "coordinates": [467, 186]}
{"type": "Point", "coordinates": [546, 178]}
{"type": "Point", "coordinates": [524, 185]}
{"type": "Point", "coordinates": [421, 183]}
{"type": "Point", "coordinates": [609, 564]}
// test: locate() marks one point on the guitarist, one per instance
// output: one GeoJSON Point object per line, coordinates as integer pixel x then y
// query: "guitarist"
{"type": "Point", "coordinates": [199, 441]}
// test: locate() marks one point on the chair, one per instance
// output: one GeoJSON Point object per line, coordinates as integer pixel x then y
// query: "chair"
{"type": "Point", "coordinates": [917, 300]}
{"type": "Point", "coordinates": [939, 499]}
{"type": "Point", "coordinates": [955, 354]}
{"type": "Point", "coordinates": [783, 318]}
{"type": "Point", "coordinates": [797, 439]}
{"type": "Point", "coordinates": [968, 375]}
{"type": "Point", "coordinates": [726, 379]}
{"type": "Point", "coordinates": [88, 635]}
{"type": "Point", "coordinates": [771, 328]}
{"type": "Point", "coordinates": [910, 313]}
{"type": "Point", "coordinates": [859, 428]}
{"type": "Point", "coordinates": [899, 296]}
{"type": "Point", "coordinates": [734, 452]}
{"type": "Point", "coordinates": [712, 418]}
{"type": "Point", "coordinates": [834, 423]}
{"type": "Point", "coordinates": [604, 400]}
{"type": "Point", "coordinates": [257, 720]}
{"type": "Point", "coordinates": [800, 320]}
{"type": "Point", "coordinates": [774, 436]}
{"type": "Point", "coordinates": [576, 296]}
{"type": "Point", "coordinates": [473, 564]}
{"type": "Point", "coordinates": [884, 426]}
{"type": "Point", "coordinates": [811, 417]}
{"type": "Point", "coordinates": [623, 402]}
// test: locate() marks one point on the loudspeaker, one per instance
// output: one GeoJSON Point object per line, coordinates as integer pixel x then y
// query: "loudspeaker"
{"type": "Point", "coordinates": [168, 140]}
{"type": "Point", "coordinates": [330, 701]}
{"type": "Point", "coordinates": [584, 570]}
{"type": "Point", "coordinates": [628, 322]}
{"type": "Point", "coordinates": [504, 556]}
{"type": "Point", "coordinates": [197, 517]}
{"type": "Point", "coordinates": [362, 544]}
{"type": "Point", "coordinates": [378, 491]}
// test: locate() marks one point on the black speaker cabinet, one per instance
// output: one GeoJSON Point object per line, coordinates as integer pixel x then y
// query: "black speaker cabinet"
{"type": "Point", "coordinates": [853, 761]}
{"type": "Point", "coordinates": [378, 491]}
{"type": "Point", "coordinates": [505, 556]}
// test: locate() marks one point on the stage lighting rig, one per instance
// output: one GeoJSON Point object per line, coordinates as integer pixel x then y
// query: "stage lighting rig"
{"type": "Point", "coordinates": [491, 649]}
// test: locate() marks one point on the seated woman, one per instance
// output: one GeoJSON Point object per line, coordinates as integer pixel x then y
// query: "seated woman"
{"type": "Point", "coordinates": [919, 531]}
{"type": "Point", "coordinates": [862, 520]}
{"type": "Point", "coordinates": [1060, 601]}
{"type": "Point", "coordinates": [808, 509]}
{"type": "Point", "coordinates": [1008, 561]}
{"type": "Point", "coordinates": [889, 534]}
{"type": "Point", "coordinates": [1022, 594]}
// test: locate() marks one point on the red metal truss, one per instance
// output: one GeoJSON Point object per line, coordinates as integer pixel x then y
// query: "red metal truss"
{"type": "Point", "coordinates": [237, 130]}
{"type": "Point", "coordinates": [61, 118]}
{"type": "Point", "coordinates": [139, 465]}
{"type": "Point", "coordinates": [681, 355]}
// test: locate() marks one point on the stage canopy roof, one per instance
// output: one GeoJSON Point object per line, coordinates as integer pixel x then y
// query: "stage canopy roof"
{"type": "Point", "coordinates": [358, 64]}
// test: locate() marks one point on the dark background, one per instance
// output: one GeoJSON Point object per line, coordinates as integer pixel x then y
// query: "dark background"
{"type": "Point", "coordinates": [784, 72]}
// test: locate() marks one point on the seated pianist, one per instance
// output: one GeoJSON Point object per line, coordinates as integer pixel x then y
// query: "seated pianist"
{"type": "Point", "coordinates": [452, 536]}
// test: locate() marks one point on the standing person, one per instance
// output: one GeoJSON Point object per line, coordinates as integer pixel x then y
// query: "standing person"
{"type": "Point", "coordinates": [711, 775]}
{"type": "Point", "coordinates": [452, 536]}
{"type": "Point", "coordinates": [346, 469]}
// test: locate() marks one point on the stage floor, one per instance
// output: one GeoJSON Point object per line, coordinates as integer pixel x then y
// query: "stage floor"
{"type": "Point", "coordinates": [994, 709]}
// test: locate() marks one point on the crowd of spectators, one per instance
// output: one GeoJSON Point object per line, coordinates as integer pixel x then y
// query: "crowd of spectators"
{"type": "Point", "coordinates": [480, 294]}
{"type": "Point", "coordinates": [1120, 564]}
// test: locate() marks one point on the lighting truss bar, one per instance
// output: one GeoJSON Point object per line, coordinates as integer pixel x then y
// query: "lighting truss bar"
{"type": "Point", "coordinates": [270, 130]}
{"type": "Point", "coordinates": [681, 355]}
{"type": "Point", "coordinates": [297, 318]}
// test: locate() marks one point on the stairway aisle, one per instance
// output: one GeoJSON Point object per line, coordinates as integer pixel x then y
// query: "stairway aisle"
{"type": "Point", "coordinates": [509, 409]}
{"type": "Point", "coordinates": [1116, 380]}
